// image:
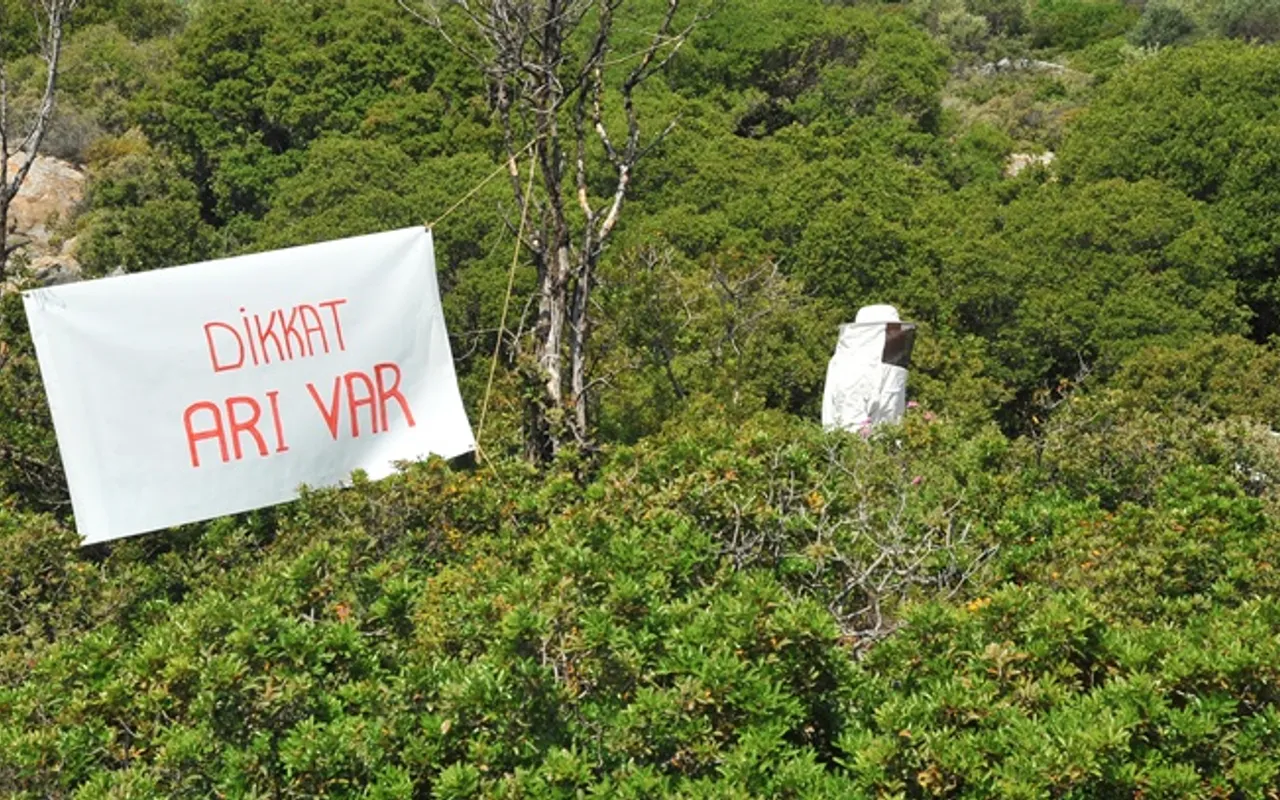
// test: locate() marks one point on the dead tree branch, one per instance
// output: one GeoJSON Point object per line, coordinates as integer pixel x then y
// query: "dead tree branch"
{"type": "Point", "coordinates": [552, 82]}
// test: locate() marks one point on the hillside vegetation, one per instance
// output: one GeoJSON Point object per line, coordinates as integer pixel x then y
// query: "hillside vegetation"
{"type": "Point", "coordinates": [1058, 577]}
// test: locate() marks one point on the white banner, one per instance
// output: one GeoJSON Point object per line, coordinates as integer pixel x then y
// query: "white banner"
{"type": "Point", "coordinates": [188, 393]}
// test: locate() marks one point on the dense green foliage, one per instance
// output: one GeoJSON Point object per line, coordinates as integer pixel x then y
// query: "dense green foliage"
{"type": "Point", "coordinates": [1057, 578]}
{"type": "Point", "coordinates": [683, 622]}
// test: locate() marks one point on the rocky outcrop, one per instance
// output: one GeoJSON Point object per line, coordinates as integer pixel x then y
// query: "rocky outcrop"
{"type": "Point", "coordinates": [1019, 161]}
{"type": "Point", "coordinates": [1018, 65]}
{"type": "Point", "coordinates": [50, 195]}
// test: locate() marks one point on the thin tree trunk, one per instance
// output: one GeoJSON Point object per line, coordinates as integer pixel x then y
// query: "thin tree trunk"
{"type": "Point", "coordinates": [580, 325]}
{"type": "Point", "coordinates": [4, 237]}
{"type": "Point", "coordinates": [4, 167]}
{"type": "Point", "coordinates": [549, 336]}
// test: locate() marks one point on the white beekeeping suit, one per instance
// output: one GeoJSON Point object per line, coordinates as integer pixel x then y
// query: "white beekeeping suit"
{"type": "Point", "coordinates": [867, 376]}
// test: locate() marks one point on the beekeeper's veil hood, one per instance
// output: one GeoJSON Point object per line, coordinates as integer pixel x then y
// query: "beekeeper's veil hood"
{"type": "Point", "coordinates": [867, 376]}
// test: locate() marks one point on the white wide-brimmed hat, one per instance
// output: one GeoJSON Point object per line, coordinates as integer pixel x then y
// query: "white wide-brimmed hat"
{"type": "Point", "coordinates": [877, 313]}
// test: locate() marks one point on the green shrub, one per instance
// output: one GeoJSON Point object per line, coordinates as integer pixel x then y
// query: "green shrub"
{"type": "Point", "coordinates": [1075, 24]}
{"type": "Point", "coordinates": [1004, 17]}
{"type": "Point", "coordinates": [31, 475]}
{"type": "Point", "coordinates": [1212, 379]}
{"type": "Point", "coordinates": [1162, 24]}
{"type": "Point", "coordinates": [137, 19]}
{"type": "Point", "coordinates": [142, 214]}
{"type": "Point", "coordinates": [733, 607]}
{"type": "Point", "coordinates": [1250, 20]}
{"type": "Point", "coordinates": [1184, 117]}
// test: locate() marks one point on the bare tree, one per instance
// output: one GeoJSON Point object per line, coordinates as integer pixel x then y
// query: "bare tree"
{"type": "Point", "coordinates": [552, 70]}
{"type": "Point", "coordinates": [51, 18]}
{"type": "Point", "coordinates": [861, 525]}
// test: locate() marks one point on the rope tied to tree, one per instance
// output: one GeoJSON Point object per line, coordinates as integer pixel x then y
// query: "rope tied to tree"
{"type": "Point", "coordinates": [431, 225]}
{"type": "Point", "coordinates": [511, 282]}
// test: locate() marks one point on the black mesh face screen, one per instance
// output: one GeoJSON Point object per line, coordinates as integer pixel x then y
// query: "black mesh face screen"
{"type": "Point", "coordinates": [899, 338]}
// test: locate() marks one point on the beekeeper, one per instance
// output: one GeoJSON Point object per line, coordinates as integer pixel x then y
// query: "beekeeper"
{"type": "Point", "coordinates": [867, 376]}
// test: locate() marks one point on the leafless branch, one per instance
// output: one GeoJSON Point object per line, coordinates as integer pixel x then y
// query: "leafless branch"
{"type": "Point", "coordinates": [545, 87]}
{"type": "Point", "coordinates": [868, 548]}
